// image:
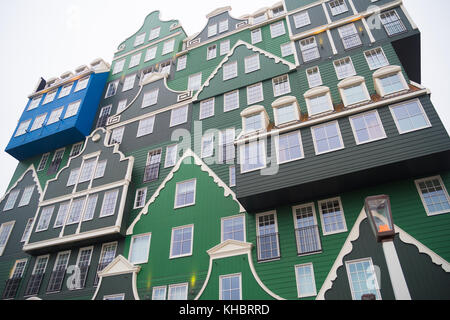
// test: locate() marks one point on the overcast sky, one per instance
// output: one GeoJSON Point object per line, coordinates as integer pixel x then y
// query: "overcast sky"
{"type": "Point", "coordinates": [45, 38]}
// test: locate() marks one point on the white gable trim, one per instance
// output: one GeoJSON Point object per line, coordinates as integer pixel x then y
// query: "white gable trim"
{"type": "Point", "coordinates": [35, 178]}
{"type": "Point", "coordinates": [199, 162]}
{"type": "Point", "coordinates": [227, 57]}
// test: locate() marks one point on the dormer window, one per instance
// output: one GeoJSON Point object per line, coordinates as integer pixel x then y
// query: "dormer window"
{"type": "Point", "coordinates": [286, 110]}
{"type": "Point", "coordinates": [277, 11]}
{"type": "Point", "coordinates": [389, 80]}
{"type": "Point", "coordinates": [353, 91]}
{"type": "Point", "coordinates": [318, 100]}
{"type": "Point", "coordinates": [259, 18]}
{"type": "Point", "coordinates": [254, 119]}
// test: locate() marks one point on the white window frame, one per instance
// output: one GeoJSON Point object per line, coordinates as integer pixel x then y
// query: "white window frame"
{"type": "Point", "coordinates": [342, 10]}
{"type": "Point", "coordinates": [262, 150]}
{"type": "Point", "coordinates": [339, 74]}
{"type": "Point", "coordinates": [143, 198]}
{"type": "Point", "coordinates": [339, 135]}
{"type": "Point", "coordinates": [188, 254]}
{"type": "Point", "coordinates": [347, 267]}
{"type": "Point", "coordinates": [2, 227]}
{"type": "Point", "coordinates": [225, 47]}
{"type": "Point", "coordinates": [257, 216]}
{"type": "Point", "coordinates": [239, 216]}
{"type": "Point", "coordinates": [135, 60]}
{"type": "Point", "coordinates": [352, 82]}
{"type": "Point", "coordinates": [65, 90]}
{"type": "Point", "coordinates": [173, 286]}
{"type": "Point", "coordinates": [150, 54]}
{"type": "Point", "coordinates": [239, 275]}
{"type": "Point", "coordinates": [250, 65]}
{"type": "Point", "coordinates": [427, 120]}
{"type": "Point", "coordinates": [175, 206]}
{"type": "Point", "coordinates": [232, 176]}
{"type": "Point", "coordinates": [140, 39]}
{"type": "Point", "coordinates": [159, 288]}
{"type": "Point", "coordinates": [371, 65]}
{"type": "Point", "coordinates": [299, 293]}
{"type": "Point", "coordinates": [145, 126]}
{"type": "Point", "coordinates": [113, 211]}
{"type": "Point", "coordinates": [182, 63]}
{"type": "Point", "coordinates": [315, 93]}
{"type": "Point", "coordinates": [82, 84]}
{"type": "Point", "coordinates": [27, 231]}
{"type": "Point", "coordinates": [309, 75]}
{"type": "Point", "coordinates": [384, 136]}
{"type": "Point", "coordinates": [154, 33]}
{"type": "Point", "coordinates": [287, 46]}
{"type": "Point", "coordinates": [43, 161]}
{"type": "Point", "coordinates": [193, 79]}
{"type": "Point", "coordinates": [226, 108]}
{"type": "Point", "coordinates": [206, 103]}
{"type": "Point", "coordinates": [72, 109]}
{"type": "Point", "coordinates": [261, 91]}
{"type": "Point", "coordinates": [277, 146]}
{"type": "Point", "coordinates": [211, 52]}
{"type": "Point", "coordinates": [387, 72]}
{"type": "Point", "coordinates": [174, 124]}
{"type": "Point", "coordinates": [51, 209]}
{"type": "Point", "coordinates": [274, 86]}
{"type": "Point", "coordinates": [11, 200]}
{"type": "Point", "coordinates": [324, 232]}
{"type": "Point", "coordinates": [118, 66]}
{"type": "Point", "coordinates": [230, 70]}
{"type": "Point", "coordinates": [305, 19]}
{"type": "Point", "coordinates": [117, 135]}
{"type": "Point", "coordinates": [168, 47]}
{"type": "Point", "coordinates": [274, 32]}
{"type": "Point", "coordinates": [49, 97]}
{"type": "Point", "coordinates": [128, 82]}
{"type": "Point", "coordinates": [256, 36]}
{"type": "Point", "coordinates": [26, 196]}
{"type": "Point", "coordinates": [441, 182]}
{"type": "Point", "coordinates": [34, 103]}
{"type": "Point", "coordinates": [22, 128]}
{"type": "Point", "coordinates": [212, 30]}
{"type": "Point", "coordinates": [206, 153]}
{"type": "Point", "coordinates": [38, 122]}
{"type": "Point", "coordinates": [168, 163]}
{"type": "Point", "coordinates": [149, 235]}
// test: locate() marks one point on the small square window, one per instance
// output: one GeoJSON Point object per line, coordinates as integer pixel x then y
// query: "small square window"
{"type": "Point", "coordinates": [150, 98]}
{"type": "Point", "coordinates": [38, 122]}
{"type": "Point", "coordinates": [231, 101]}
{"type": "Point", "coordinates": [252, 63]}
{"type": "Point", "coordinates": [135, 60]}
{"type": "Point", "coordinates": [185, 194]}
{"type": "Point", "coordinates": [281, 85]}
{"type": "Point", "coordinates": [212, 30]}
{"type": "Point", "coordinates": [178, 292]}
{"type": "Point", "coordinates": [255, 94]}
{"type": "Point", "coordinates": [145, 126]}
{"type": "Point", "coordinates": [286, 49]}
{"type": "Point", "coordinates": [128, 83]}
{"type": "Point", "coordinates": [289, 147]}
{"type": "Point", "coordinates": [367, 127]}
{"type": "Point", "coordinates": [230, 287]}
{"type": "Point", "coordinates": [139, 39]}
{"type": "Point", "coordinates": [72, 109]}
{"type": "Point", "coordinates": [65, 91]}
{"type": "Point", "coordinates": [118, 66]}
{"type": "Point", "coordinates": [168, 46]}
{"type": "Point", "coordinates": [277, 29]}
{"type": "Point", "coordinates": [82, 84]}
{"type": "Point", "coordinates": [150, 54]}
{"type": "Point", "coordinates": [195, 82]}
{"type": "Point", "coordinates": [154, 33]}
{"type": "Point", "coordinates": [302, 19]}
{"type": "Point", "coordinates": [233, 228]}
{"type": "Point", "coordinates": [109, 203]}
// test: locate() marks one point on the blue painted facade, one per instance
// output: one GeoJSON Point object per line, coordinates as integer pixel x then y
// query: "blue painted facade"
{"type": "Point", "coordinates": [64, 131]}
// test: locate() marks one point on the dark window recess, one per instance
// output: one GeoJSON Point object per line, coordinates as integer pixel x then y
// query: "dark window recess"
{"type": "Point", "coordinates": [308, 240]}
{"type": "Point", "coordinates": [268, 247]}
{"type": "Point", "coordinates": [103, 118]}
{"type": "Point", "coordinates": [54, 166]}
{"type": "Point", "coordinates": [153, 163]}
{"type": "Point", "coordinates": [11, 287]}
{"type": "Point", "coordinates": [56, 281]}
{"type": "Point", "coordinates": [34, 284]}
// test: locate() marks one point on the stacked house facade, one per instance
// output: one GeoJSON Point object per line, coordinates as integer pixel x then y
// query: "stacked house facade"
{"type": "Point", "coordinates": [234, 164]}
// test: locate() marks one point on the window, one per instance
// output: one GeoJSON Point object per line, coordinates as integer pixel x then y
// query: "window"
{"type": "Point", "coordinates": [139, 39]}
{"type": "Point", "coordinates": [5, 232]}
{"type": "Point", "coordinates": [230, 287]}
{"type": "Point", "coordinates": [12, 284]}
{"type": "Point", "coordinates": [410, 116]}
{"type": "Point", "coordinates": [233, 228]}
{"type": "Point", "coordinates": [150, 98]}
{"type": "Point", "coordinates": [59, 271]}
{"type": "Point", "coordinates": [178, 292]}
{"type": "Point", "coordinates": [34, 283]}
{"type": "Point", "coordinates": [152, 168]}
{"type": "Point", "coordinates": [44, 220]}
{"type": "Point", "coordinates": [13, 195]}
{"type": "Point", "coordinates": [392, 84]}
{"type": "Point", "coordinates": [76, 149]}
{"type": "Point", "coordinates": [171, 156]}
{"type": "Point", "coordinates": [57, 159]}
{"type": "Point", "coordinates": [267, 237]}
{"type": "Point", "coordinates": [289, 147]}
{"type": "Point", "coordinates": [106, 257]}
{"type": "Point", "coordinates": [318, 100]}
{"type": "Point", "coordinates": [22, 128]}
{"type": "Point", "coordinates": [309, 49]}
{"type": "Point", "coordinates": [150, 54]}
{"type": "Point", "coordinates": [392, 23]}
{"type": "Point", "coordinates": [109, 203]}
{"type": "Point", "coordinates": [353, 91]}
{"type": "Point", "coordinates": [278, 11]}
{"type": "Point", "coordinates": [306, 229]}
{"type": "Point", "coordinates": [118, 66]}
{"type": "Point", "coordinates": [253, 156]}
{"type": "Point", "coordinates": [117, 135]}
{"type": "Point", "coordinates": [286, 113]}
{"type": "Point", "coordinates": [344, 68]}
{"type": "Point", "coordinates": [207, 108]}
{"type": "Point", "coordinates": [26, 196]}
{"type": "Point", "coordinates": [224, 47]}
{"type": "Point", "coordinates": [65, 90]}
{"type": "Point", "coordinates": [75, 211]}
{"type": "Point", "coordinates": [376, 58]}
{"type": "Point", "coordinates": [223, 26]}
{"type": "Point", "coordinates": [139, 248]}
{"type": "Point", "coordinates": [38, 122]}
{"type": "Point", "coordinates": [83, 262]}
{"type": "Point", "coordinates": [128, 83]}
{"type": "Point", "coordinates": [154, 33]}
{"type": "Point", "coordinates": [230, 70]}
{"type": "Point", "coordinates": [337, 7]}
{"type": "Point", "coordinates": [306, 284]}
{"type": "Point", "coordinates": [253, 122]}
{"type": "Point", "coordinates": [255, 94]}
{"type": "Point", "coordinates": [434, 195]}
{"type": "Point", "coordinates": [332, 216]}
{"type": "Point", "coordinates": [181, 242]}
{"type": "Point", "coordinates": [104, 115]}
{"type": "Point", "coordinates": [281, 85]}
{"type": "Point", "coordinates": [286, 49]}
{"type": "Point", "coordinates": [27, 231]}
{"type": "Point", "coordinates": [207, 146]}
{"type": "Point", "coordinates": [49, 97]}
{"type": "Point", "coordinates": [185, 194]}
{"type": "Point", "coordinates": [195, 82]}
{"type": "Point", "coordinates": [178, 116]}
{"type": "Point", "coordinates": [145, 126]}
{"type": "Point", "coordinates": [168, 46]}
{"type": "Point", "coordinates": [139, 200]}
{"type": "Point", "coordinates": [314, 77]}
{"type": "Point", "coordinates": [226, 146]}
{"type": "Point", "coordinates": [349, 36]}
{"type": "Point", "coordinates": [82, 84]}
{"type": "Point", "coordinates": [212, 30]}
{"type": "Point", "coordinates": [100, 169]}
{"type": "Point", "coordinates": [34, 103]}
{"type": "Point", "coordinates": [231, 101]}
{"type": "Point", "coordinates": [256, 36]}
{"type": "Point", "coordinates": [159, 293]}
{"type": "Point", "coordinates": [327, 138]}
{"type": "Point", "coordinates": [277, 29]}
{"type": "Point", "coordinates": [72, 109]}
{"type": "Point", "coordinates": [122, 105]}
{"type": "Point", "coordinates": [252, 63]}
{"type": "Point", "coordinates": [302, 19]}
{"type": "Point", "coordinates": [211, 52]}
{"type": "Point", "coordinates": [87, 170]}
{"type": "Point", "coordinates": [232, 173]}
{"type": "Point", "coordinates": [62, 214]}
{"type": "Point", "coordinates": [182, 62]}
{"type": "Point", "coordinates": [73, 177]}
{"type": "Point", "coordinates": [362, 278]}
{"type": "Point", "coordinates": [135, 60]}
{"type": "Point", "coordinates": [367, 127]}
{"type": "Point", "coordinates": [43, 161]}
{"type": "Point", "coordinates": [90, 207]}
{"type": "Point", "coordinates": [259, 18]}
